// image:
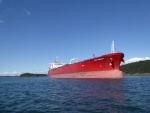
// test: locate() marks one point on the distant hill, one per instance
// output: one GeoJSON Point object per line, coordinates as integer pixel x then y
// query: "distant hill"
{"type": "Point", "coordinates": [32, 75]}
{"type": "Point", "coordinates": [137, 68]}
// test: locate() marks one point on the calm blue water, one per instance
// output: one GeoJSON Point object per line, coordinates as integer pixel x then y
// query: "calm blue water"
{"type": "Point", "coordinates": [45, 95]}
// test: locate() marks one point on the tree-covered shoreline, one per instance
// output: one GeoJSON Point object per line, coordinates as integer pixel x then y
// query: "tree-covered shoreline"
{"type": "Point", "coordinates": [32, 75]}
{"type": "Point", "coordinates": [136, 68]}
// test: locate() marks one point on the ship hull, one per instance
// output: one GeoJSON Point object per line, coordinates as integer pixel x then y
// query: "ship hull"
{"type": "Point", "coordinates": [105, 66]}
{"type": "Point", "coordinates": [112, 74]}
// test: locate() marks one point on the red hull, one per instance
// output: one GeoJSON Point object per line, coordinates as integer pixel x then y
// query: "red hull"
{"type": "Point", "coordinates": [116, 74]}
{"type": "Point", "coordinates": [105, 66]}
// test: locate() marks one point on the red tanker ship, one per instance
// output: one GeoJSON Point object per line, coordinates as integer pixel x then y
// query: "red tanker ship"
{"type": "Point", "coordinates": [105, 66]}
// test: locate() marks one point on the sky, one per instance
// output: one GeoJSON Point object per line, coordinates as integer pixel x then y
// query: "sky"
{"type": "Point", "coordinates": [34, 32]}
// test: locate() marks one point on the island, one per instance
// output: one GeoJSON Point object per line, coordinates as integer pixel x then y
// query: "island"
{"type": "Point", "coordinates": [32, 75]}
{"type": "Point", "coordinates": [136, 68]}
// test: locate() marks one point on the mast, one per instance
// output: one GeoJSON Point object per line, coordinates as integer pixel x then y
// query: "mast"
{"type": "Point", "coordinates": [112, 47]}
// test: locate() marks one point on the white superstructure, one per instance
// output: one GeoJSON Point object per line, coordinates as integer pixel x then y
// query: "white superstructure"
{"type": "Point", "coordinates": [56, 64]}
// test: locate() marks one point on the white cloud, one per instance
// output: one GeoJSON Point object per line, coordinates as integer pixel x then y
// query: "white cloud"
{"type": "Point", "coordinates": [27, 12]}
{"type": "Point", "coordinates": [5, 10]}
{"type": "Point", "coordinates": [136, 59]}
{"type": "Point", "coordinates": [17, 73]}
{"type": "Point", "coordinates": [1, 1]}
{"type": "Point", "coordinates": [38, 71]}
{"type": "Point", "coordinates": [1, 21]}
{"type": "Point", "coordinates": [11, 73]}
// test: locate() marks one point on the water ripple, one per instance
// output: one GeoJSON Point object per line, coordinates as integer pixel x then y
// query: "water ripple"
{"type": "Point", "coordinates": [42, 95]}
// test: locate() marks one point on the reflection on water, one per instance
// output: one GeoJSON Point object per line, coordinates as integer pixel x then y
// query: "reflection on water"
{"type": "Point", "coordinates": [88, 95]}
{"type": "Point", "coordinates": [128, 95]}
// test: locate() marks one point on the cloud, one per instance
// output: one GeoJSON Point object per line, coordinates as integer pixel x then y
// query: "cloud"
{"type": "Point", "coordinates": [5, 10]}
{"type": "Point", "coordinates": [1, 21]}
{"type": "Point", "coordinates": [1, 1]}
{"type": "Point", "coordinates": [38, 71]}
{"type": "Point", "coordinates": [27, 12]}
{"type": "Point", "coordinates": [17, 73]}
{"type": "Point", "coordinates": [136, 59]}
{"type": "Point", "coordinates": [11, 73]}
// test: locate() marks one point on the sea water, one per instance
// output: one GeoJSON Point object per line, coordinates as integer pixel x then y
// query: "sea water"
{"type": "Point", "coordinates": [44, 95]}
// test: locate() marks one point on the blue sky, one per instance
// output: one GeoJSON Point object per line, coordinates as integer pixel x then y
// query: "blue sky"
{"type": "Point", "coordinates": [34, 32]}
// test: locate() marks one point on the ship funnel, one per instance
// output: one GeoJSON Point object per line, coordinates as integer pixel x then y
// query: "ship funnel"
{"type": "Point", "coordinates": [112, 47]}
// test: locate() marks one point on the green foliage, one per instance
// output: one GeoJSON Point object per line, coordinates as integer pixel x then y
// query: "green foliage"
{"type": "Point", "coordinates": [141, 67]}
{"type": "Point", "coordinates": [32, 75]}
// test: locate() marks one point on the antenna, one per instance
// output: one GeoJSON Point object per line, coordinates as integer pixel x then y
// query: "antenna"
{"type": "Point", "coordinates": [56, 60]}
{"type": "Point", "coordinates": [112, 47]}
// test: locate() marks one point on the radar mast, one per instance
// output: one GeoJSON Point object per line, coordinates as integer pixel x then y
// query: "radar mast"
{"type": "Point", "coordinates": [112, 47]}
